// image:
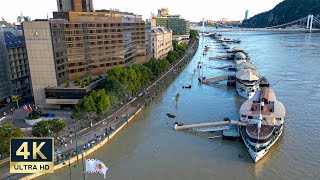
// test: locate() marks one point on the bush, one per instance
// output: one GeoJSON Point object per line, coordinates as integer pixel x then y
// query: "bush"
{"type": "Point", "coordinates": [77, 81]}
{"type": "Point", "coordinates": [33, 115]}
{"type": "Point", "coordinates": [88, 82]}
{"type": "Point", "coordinates": [90, 79]}
{"type": "Point", "coordinates": [82, 83]}
{"type": "Point", "coordinates": [67, 83]}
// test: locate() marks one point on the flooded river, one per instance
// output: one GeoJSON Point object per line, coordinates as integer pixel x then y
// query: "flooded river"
{"type": "Point", "coordinates": [149, 148]}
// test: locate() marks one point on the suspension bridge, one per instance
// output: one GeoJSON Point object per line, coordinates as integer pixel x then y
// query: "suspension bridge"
{"type": "Point", "coordinates": [309, 23]}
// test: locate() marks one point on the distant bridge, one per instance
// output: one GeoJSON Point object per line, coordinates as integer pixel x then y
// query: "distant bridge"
{"type": "Point", "coordinates": [305, 24]}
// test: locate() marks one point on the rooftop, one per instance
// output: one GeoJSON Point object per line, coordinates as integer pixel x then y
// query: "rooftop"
{"type": "Point", "coordinates": [12, 40]}
{"type": "Point", "coordinates": [243, 74]}
{"type": "Point", "coordinates": [160, 30]}
{"type": "Point", "coordinates": [271, 108]}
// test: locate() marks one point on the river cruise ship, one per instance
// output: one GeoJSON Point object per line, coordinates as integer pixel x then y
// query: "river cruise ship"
{"type": "Point", "coordinates": [264, 116]}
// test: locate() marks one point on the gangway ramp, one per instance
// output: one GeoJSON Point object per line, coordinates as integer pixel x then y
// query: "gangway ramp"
{"type": "Point", "coordinates": [210, 127]}
{"type": "Point", "coordinates": [215, 79]}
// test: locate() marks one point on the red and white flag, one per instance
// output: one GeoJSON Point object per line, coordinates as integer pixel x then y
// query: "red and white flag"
{"type": "Point", "coordinates": [96, 166]}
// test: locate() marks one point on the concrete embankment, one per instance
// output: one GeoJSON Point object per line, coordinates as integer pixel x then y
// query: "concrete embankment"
{"type": "Point", "coordinates": [163, 81]}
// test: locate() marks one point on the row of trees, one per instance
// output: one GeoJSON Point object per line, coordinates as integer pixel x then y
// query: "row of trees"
{"type": "Point", "coordinates": [123, 81]}
{"type": "Point", "coordinates": [44, 128]}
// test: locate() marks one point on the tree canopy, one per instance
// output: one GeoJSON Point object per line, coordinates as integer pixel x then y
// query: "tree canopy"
{"type": "Point", "coordinates": [97, 102]}
{"type": "Point", "coordinates": [41, 128]}
{"type": "Point", "coordinates": [6, 132]}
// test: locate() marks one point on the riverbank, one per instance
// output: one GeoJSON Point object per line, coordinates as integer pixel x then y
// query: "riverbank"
{"type": "Point", "coordinates": [131, 109]}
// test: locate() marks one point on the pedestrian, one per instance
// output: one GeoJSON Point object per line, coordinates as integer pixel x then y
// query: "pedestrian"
{"type": "Point", "coordinates": [4, 113]}
{"type": "Point", "coordinates": [65, 144]}
{"type": "Point", "coordinates": [61, 144]}
{"type": "Point", "coordinates": [84, 147]}
{"type": "Point", "coordinates": [89, 145]}
{"type": "Point", "coordinates": [70, 141]}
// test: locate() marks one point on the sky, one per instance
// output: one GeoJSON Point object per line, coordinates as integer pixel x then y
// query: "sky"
{"type": "Point", "coordinates": [192, 10]}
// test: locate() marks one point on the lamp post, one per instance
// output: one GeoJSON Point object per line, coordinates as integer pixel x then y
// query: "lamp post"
{"type": "Point", "coordinates": [107, 124]}
{"type": "Point", "coordinates": [48, 128]}
{"type": "Point", "coordinates": [75, 164]}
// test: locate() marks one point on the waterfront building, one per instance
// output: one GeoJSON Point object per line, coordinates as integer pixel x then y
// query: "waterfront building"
{"type": "Point", "coordinates": [149, 53]}
{"type": "Point", "coordinates": [4, 74]}
{"type": "Point", "coordinates": [17, 62]}
{"type": "Point", "coordinates": [77, 45]}
{"type": "Point", "coordinates": [175, 22]}
{"type": "Point", "coordinates": [161, 38]}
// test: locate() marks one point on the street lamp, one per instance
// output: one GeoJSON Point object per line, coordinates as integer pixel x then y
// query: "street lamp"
{"type": "Point", "coordinates": [75, 136]}
{"type": "Point", "coordinates": [48, 128]}
{"type": "Point", "coordinates": [107, 124]}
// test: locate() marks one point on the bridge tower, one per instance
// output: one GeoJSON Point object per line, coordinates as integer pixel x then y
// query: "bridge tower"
{"type": "Point", "coordinates": [310, 22]}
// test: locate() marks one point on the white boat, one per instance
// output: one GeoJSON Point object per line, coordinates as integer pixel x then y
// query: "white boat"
{"type": "Point", "coordinates": [240, 57]}
{"type": "Point", "coordinates": [247, 82]}
{"type": "Point", "coordinates": [264, 116]}
{"type": "Point", "coordinates": [228, 40]}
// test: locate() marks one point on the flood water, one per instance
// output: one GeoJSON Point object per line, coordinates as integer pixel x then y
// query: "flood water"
{"type": "Point", "coordinates": [149, 147]}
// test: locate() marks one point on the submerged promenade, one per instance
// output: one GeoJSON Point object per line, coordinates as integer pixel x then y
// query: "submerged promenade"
{"type": "Point", "coordinates": [117, 120]}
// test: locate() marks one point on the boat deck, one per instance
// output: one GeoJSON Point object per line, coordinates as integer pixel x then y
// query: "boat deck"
{"type": "Point", "coordinates": [265, 131]}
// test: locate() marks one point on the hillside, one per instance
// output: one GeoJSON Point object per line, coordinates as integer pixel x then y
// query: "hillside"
{"type": "Point", "coordinates": [286, 11]}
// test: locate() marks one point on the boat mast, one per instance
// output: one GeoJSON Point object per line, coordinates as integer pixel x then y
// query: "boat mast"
{"type": "Point", "coordinates": [259, 121]}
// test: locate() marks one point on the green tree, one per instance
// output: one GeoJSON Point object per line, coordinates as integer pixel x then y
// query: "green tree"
{"type": "Point", "coordinates": [90, 79]}
{"type": "Point", "coordinates": [77, 112]}
{"type": "Point", "coordinates": [67, 83]}
{"type": "Point", "coordinates": [82, 83]}
{"type": "Point", "coordinates": [41, 129]}
{"type": "Point", "coordinates": [116, 91]}
{"type": "Point", "coordinates": [144, 73]}
{"type": "Point", "coordinates": [102, 102]}
{"type": "Point", "coordinates": [88, 82]}
{"type": "Point", "coordinates": [8, 131]}
{"type": "Point", "coordinates": [33, 115]}
{"type": "Point", "coordinates": [57, 125]}
{"type": "Point", "coordinates": [77, 81]}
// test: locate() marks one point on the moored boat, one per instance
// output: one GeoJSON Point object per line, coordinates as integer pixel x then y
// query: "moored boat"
{"type": "Point", "coordinates": [247, 82]}
{"type": "Point", "coordinates": [264, 116]}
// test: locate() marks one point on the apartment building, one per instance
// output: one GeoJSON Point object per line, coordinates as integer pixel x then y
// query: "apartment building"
{"type": "Point", "coordinates": [161, 41]}
{"type": "Point", "coordinates": [80, 44]}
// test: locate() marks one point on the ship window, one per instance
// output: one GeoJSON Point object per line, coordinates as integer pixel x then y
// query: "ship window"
{"type": "Point", "coordinates": [278, 119]}
{"type": "Point", "coordinates": [250, 117]}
